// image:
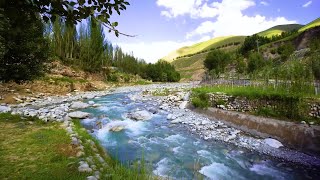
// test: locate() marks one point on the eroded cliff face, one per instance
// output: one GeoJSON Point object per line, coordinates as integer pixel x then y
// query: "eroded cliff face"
{"type": "Point", "coordinates": [303, 40]}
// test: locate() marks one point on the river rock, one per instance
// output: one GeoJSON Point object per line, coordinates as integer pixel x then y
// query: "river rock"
{"type": "Point", "coordinates": [171, 117]}
{"type": "Point", "coordinates": [183, 105]}
{"type": "Point", "coordinates": [272, 142]}
{"type": "Point", "coordinates": [140, 115]}
{"type": "Point", "coordinates": [91, 102]}
{"type": "Point", "coordinates": [91, 178]}
{"type": "Point", "coordinates": [117, 128]}
{"type": "Point", "coordinates": [4, 109]}
{"type": "Point", "coordinates": [176, 121]}
{"type": "Point", "coordinates": [79, 115]}
{"type": "Point", "coordinates": [186, 97]}
{"type": "Point", "coordinates": [79, 105]}
{"type": "Point", "coordinates": [84, 167]}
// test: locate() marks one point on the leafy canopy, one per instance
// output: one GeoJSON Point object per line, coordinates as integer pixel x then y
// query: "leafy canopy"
{"type": "Point", "coordinates": [216, 61]}
{"type": "Point", "coordinates": [75, 11]}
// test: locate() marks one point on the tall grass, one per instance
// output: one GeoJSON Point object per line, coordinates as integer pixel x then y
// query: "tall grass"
{"type": "Point", "coordinates": [278, 102]}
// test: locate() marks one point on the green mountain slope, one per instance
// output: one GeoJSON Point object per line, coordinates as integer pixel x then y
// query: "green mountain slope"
{"type": "Point", "coordinates": [189, 60]}
{"type": "Point", "coordinates": [310, 25]}
{"type": "Point", "coordinates": [277, 30]}
{"type": "Point", "coordinates": [202, 46]}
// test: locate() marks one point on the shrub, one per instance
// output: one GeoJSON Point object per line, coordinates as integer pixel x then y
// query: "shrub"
{"type": "Point", "coordinates": [200, 100]}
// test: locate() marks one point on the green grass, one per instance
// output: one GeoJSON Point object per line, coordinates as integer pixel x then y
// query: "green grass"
{"type": "Point", "coordinates": [254, 92]}
{"type": "Point", "coordinates": [206, 45]}
{"type": "Point", "coordinates": [284, 105]}
{"type": "Point", "coordinates": [310, 25]}
{"type": "Point", "coordinates": [142, 82]}
{"type": "Point", "coordinates": [277, 30]}
{"type": "Point", "coordinates": [30, 149]}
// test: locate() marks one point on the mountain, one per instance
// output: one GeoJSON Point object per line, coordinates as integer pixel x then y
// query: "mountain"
{"type": "Point", "coordinates": [310, 25]}
{"type": "Point", "coordinates": [203, 46]}
{"type": "Point", "coordinates": [189, 60]}
{"type": "Point", "coordinates": [277, 30]}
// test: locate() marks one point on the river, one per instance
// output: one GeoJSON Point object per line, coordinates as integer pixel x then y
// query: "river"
{"type": "Point", "coordinates": [172, 151]}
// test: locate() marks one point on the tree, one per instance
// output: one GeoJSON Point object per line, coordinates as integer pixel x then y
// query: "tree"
{"type": "Point", "coordinates": [75, 11]}
{"type": "Point", "coordinates": [255, 62]}
{"type": "Point", "coordinates": [216, 61]}
{"type": "Point", "coordinates": [25, 47]}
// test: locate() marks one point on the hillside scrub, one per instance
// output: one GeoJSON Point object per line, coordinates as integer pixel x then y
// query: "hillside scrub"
{"type": "Point", "coordinates": [216, 62]}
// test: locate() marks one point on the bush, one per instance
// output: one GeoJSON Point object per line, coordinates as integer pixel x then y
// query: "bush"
{"type": "Point", "coordinates": [200, 100]}
{"type": "Point", "coordinates": [216, 62]}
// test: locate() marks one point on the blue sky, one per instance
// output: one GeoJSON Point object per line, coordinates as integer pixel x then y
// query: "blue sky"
{"type": "Point", "coordinates": [162, 26]}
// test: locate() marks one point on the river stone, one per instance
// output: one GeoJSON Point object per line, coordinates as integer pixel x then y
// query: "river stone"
{"type": "Point", "coordinates": [272, 142]}
{"type": "Point", "coordinates": [4, 109]}
{"type": "Point", "coordinates": [84, 167]}
{"type": "Point", "coordinates": [141, 115]}
{"type": "Point", "coordinates": [186, 97]}
{"type": "Point", "coordinates": [91, 102]}
{"type": "Point", "coordinates": [117, 128]}
{"type": "Point", "coordinates": [79, 115]}
{"type": "Point", "coordinates": [79, 105]}
{"type": "Point", "coordinates": [91, 178]}
{"type": "Point", "coordinates": [183, 105]}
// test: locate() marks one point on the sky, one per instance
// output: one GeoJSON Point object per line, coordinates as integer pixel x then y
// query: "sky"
{"type": "Point", "coordinates": [162, 26]}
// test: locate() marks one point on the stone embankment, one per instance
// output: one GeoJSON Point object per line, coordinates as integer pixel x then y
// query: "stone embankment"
{"type": "Point", "coordinates": [242, 104]}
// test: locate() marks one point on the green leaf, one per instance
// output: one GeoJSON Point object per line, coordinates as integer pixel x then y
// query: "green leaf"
{"type": "Point", "coordinates": [114, 24]}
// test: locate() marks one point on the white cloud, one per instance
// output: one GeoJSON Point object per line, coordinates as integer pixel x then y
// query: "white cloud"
{"type": "Point", "coordinates": [151, 52]}
{"type": "Point", "coordinates": [231, 20]}
{"type": "Point", "coordinates": [204, 28]}
{"type": "Point", "coordinates": [307, 4]}
{"type": "Point", "coordinates": [195, 8]}
{"type": "Point", "coordinates": [264, 3]}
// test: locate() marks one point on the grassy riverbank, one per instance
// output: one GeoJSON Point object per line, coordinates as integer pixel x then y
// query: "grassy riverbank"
{"type": "Point", "coordinates": [31, 149]}
{"type": "Point", "coordinates": [280, 103]}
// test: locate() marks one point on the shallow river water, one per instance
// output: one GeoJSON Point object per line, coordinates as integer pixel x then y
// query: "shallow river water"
{"type": "Point", "coordinates": [172, 151]}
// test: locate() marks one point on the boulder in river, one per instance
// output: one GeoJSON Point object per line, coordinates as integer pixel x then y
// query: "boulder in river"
{"type": "Point", "coordinates": [140, 115]}
{"type": "Point", "coordinates": [273, 142]}
{"type": "Point", "coordinates": [117, 128]}
{"type": "Point", "coordinates": [79, 105]}
{"type": "Point", "coordinates": [79, 115]}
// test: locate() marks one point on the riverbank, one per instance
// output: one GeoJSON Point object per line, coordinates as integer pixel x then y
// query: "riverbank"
{"type": "Point", "coordinates": [211, 129]}
{"type": "Point", "coordinates": [173, 103]}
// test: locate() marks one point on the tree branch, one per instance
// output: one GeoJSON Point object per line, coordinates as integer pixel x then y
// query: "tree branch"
{"type": "Point", "coordinates": [111, 28]}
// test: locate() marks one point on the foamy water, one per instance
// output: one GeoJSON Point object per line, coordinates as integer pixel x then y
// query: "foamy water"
{"type": "Point", "coordinates": [172, 151]}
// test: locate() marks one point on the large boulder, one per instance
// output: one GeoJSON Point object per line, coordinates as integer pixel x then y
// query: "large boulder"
{"type": "Point", "coordinates": [140, 115]}
{"type": "Point", "coordinates": [79, 115]}
{"type": "Point", "coordinates": [79, 105]}
{"type": "Point", "coordinates": [186, 97]}
{"type": "Point", "coordinates": [272, 142]}
{"type": "Point", "coordinates": [183, 105]}
{"type": "Point", "coordinates": [4, 109]}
